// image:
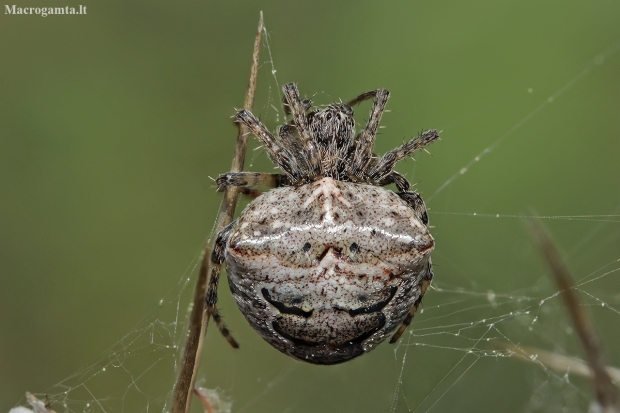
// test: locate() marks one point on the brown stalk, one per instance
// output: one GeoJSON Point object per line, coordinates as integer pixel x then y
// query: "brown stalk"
{"type": "Point", "coordinates": [606, 393]}
{"type": "Point", "coordinates": [557, 362]}
{"type": "Point", "coordinates": [199, 320]}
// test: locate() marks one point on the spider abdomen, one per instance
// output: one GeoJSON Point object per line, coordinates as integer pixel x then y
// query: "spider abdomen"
{"type": "Point", "coordinates": [326, 271]}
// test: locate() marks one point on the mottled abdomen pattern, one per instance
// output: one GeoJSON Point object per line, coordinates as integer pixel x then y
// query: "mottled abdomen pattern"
{"type": "Point", "coordinates": [328, 270]}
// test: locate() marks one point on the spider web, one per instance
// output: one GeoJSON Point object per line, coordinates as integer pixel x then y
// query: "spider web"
{"type": "Point", "coordinates": [466, 336]}
{"type": "Point", "coordinates": [483, 328]}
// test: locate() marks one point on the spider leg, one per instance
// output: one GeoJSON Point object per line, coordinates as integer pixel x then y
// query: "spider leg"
{"type": "Point", "coordinates": [250, 180]}
{"type": "Point", "coordinates": [279, 154]}
{"type": "Point", "coordinates": [250, 193]}
{"type": "Point", "coordinates": [288, 137]}
{"type": "Point", "coordinates": [402, 184]}
{"type": "Point", "coordinates": [365, 141]}
{"type": "Point", "coordinates": [414, 200]}
{"type": "Point", "coordinates": [371, 94]}
{"type": "Point", "coordinates": [217, 258]}
{"type": "Point", "coordinates": [423, 285]}
{"type": "Point", "coordinates": [287, 109]}
{"type": "Point", "coordinates": [298, 110]}
{"type": "Point", "coordinates": [385, 166]}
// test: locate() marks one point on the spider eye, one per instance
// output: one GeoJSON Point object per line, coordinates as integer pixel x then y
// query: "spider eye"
{"type": "Point", "coordinates": [329, 116]}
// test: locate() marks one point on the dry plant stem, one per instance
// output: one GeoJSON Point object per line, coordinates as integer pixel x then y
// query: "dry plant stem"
{"type": "Point", "coordinates": [607, 394]}
{"type": "Point", "coordinates": [557, 362]}
{"type": "Point", "coordinates": [181, 401]}
{"type": "Point", "coordinates": [199, 319]}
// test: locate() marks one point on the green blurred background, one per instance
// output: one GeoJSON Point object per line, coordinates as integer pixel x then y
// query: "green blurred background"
{"type": "Point", "coordinates": [111, 124]}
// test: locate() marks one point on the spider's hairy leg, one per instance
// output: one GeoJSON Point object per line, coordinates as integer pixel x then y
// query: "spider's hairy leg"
{"type": "Point", "coordinates": [423, 285]}
{"type": "Point", "coordinates": [385, 166]}
{"type": "Point", "coordinates": [217, 259]}
{"type": "Point", "coordinates": [365, 141]}
{"type": "Point", "coordinates": [371, 94]}
{"type": "Point", "coordinates": [287, 109]}
{"type": "Point", "coordinates": [402, 184]}
{"type": "Point", "coordinates": [250, 180]}
{"type": "Point", "coordinates": [278, 154]}
{"type": "Point", "coordinates": [298, 110]}
{"type": "Point", "coordinates": [288, 137]}
{"type": "Point", "coordinates": [250, 193]}
{"type": "Point", "coordinates": [415, 201]}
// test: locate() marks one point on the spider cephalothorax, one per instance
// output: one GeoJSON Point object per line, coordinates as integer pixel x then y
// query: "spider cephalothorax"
{"type": "Point", "coordinates": [333, 126]}
{"type": "Point", "coordinates": [328, 264]}
{"type": "Point", "coordinates": [323, 143]}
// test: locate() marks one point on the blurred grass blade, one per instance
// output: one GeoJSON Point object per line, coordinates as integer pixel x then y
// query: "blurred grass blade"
{"type": "Point", "coordinates": [607, 394]}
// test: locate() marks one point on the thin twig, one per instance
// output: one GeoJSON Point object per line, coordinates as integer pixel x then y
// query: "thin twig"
{"type": "Point", "coordinates": [182, 390]}
{"type": "Point", "coordinates": [557, 362]}
{"type": "Point", "coordinates": [607, 394]}
{"type": "Point", "coordinates": [199, 320]}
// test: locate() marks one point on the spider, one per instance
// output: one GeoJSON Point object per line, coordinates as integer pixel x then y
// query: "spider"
{"type": "Point", "coordinates": [327, 264]}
